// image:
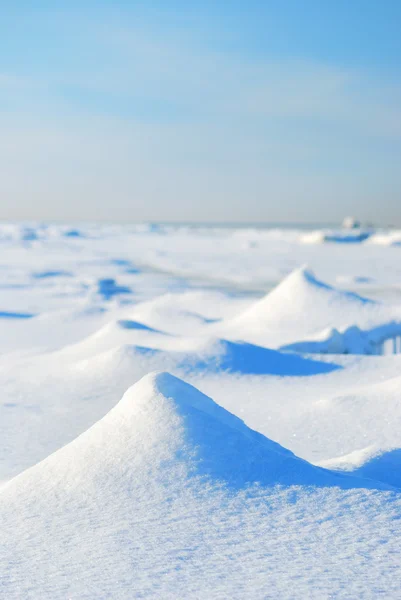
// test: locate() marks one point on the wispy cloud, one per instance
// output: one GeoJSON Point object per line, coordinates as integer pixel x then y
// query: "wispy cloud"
{"type": "Point", "coordinates": [162, 118]}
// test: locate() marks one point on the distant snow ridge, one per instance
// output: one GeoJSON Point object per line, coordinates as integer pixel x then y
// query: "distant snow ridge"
{"type": "Point", "coordinates": [352, 233]}
{"type": "Point", "coordinates": [386, 238]}
{"type": "Point", "coordinates": [349, 236]}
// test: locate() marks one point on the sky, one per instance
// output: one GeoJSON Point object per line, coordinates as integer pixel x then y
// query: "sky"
{"type": "Point", "coordinates": [212, 111]}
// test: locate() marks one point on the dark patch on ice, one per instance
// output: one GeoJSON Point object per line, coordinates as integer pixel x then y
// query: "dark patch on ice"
{"type": "Point", "coordinates": [74, 233]}
{"type": "Point", "coordinates": [209, 321]}
{"type": "Point", "coordinates": [15, 315]}
{"type": "Point", "coordinates": [120, 262]}
{"type": "Point", "coordinates": [108, 288]}
{"type": "Point", "coordinates": [155, 228]}
{"type": "Point", "coordinates": [29, 235]}
{"type": "Point", "coordinates": [50, 274]}
{"type": "Point", "coordinates": [128, 324]}
{"type": "Point", "coordinates": [129, 266]}
{"type": "Point", "coordinates": [344, 238]}
{"type": "Point", "coordinates": [146, 351]}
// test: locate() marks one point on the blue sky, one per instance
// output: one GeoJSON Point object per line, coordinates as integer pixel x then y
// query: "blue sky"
{"type": "Point", "coordinates": [200, 111]}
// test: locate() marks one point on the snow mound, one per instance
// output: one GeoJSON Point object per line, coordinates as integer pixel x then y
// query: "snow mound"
{"type": "Point", "coordinates": [168, 428]}
{"type": "Point", "coordinates": [126, 362]}
{"type": "Point", "coordinates": [169, 494]}
{"type": "Point", "coordinates": [193, 354]}
{"type": "Point", "coordinates": [300, 305]}
{"type": "Point", "coordinates": [188, 311]}
{"type": "Point", "coordinates": [121, 332]}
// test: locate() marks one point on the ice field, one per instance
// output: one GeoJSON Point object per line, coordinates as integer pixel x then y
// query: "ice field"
{"type": "Point", "coordinates": [199, 412]}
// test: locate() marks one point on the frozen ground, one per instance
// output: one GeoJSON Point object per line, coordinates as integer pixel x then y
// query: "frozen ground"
{"type": "Point", "coordinates": [274, 472]}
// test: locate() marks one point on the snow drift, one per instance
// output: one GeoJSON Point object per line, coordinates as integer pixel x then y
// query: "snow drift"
{"type": "Point", "coordinates": [169, 426]}
{"type": "Point", "coordinates": [380, 464]}
{"type": "Point", "coordinates": [243, 358]}
{"type": "Point", "coordinates": [299, 305]}
{"type": "Point", "coordinates": [304, 314]}
{"type": "Point", "coordinates": [379, 340]}
{"type": "Point", "coordinates": [151, 498]}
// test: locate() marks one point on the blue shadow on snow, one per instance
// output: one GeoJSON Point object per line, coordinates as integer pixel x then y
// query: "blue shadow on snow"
{"type": "Point", "coordinates": [15, 315]}
{"type": "Point", "coordinates": [248, 359]}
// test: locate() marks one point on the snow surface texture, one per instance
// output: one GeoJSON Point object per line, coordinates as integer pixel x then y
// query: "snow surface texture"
{"type": "Point", "coordinates": [171, 490]}
{"type": "Point", "coordinates": [303, 307]}
{"type": "Point", "coordinates": [119, 480]}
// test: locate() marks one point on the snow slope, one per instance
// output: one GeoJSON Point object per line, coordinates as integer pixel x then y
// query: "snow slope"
{"type": "Point", "coordinates": [171, 496]}
{"type": "Point", "coordinates": [72, 387]}
{"type": "Point", "coordinates": [302, 307]}
{"type": "Point", "coordinates": [167, 493]}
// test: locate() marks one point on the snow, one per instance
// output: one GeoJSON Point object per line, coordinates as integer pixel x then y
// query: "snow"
{"type": "Point", "coordinates": [352, 233]}
{"type": "Point", "coordinates": [305, 314]}
{"type": "Point", "coordinates": [352, 340]}
{"type": "Point", "coordinates": [391, 238]}
{"type": "Point", "coordinates": [169, 478]}
{"type": "Point", "coordinates": [372, 462]}
{"type": "Point", "coordinates": [191, 412]}
{"type": "Point", "coordinates": [348, 236]}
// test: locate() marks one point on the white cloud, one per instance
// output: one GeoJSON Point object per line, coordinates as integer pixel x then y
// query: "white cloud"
{"type": "Point", "coordinates": [154, 127]}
